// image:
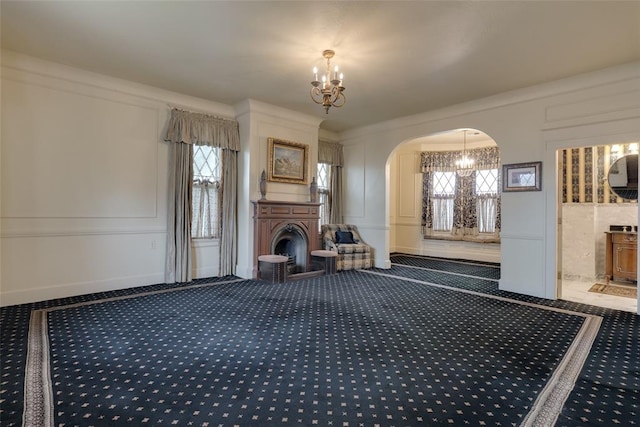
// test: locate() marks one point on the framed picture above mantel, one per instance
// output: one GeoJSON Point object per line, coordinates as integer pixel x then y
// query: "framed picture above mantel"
{"type": "Point", "coordinates": [522, 177]}
{"type": "Point", "coordinates": [287, 162]}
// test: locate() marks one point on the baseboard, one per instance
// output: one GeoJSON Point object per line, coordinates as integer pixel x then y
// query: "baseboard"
{"type": "Point", "coordinates": [201, 273]}
{"type": "Point", "coordinates": [79, 288]}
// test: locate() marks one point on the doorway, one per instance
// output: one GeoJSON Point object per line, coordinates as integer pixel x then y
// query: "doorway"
{"type": "Point", "coordinates": [587, 213]}
{"type": "Point", "coordinates": [406, 182]}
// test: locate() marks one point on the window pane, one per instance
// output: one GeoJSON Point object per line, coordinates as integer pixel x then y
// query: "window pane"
{"type": "Point", "coordinates": [487, 181]}
{"type": "Point", "coordinates": [324, 170]}
{"type": "Point", "coordinates": [324, 192]}
{"type": "Point", "coordinates": [206, 163]}
{"type": "Point", "coordinates": [486, 213]}
{"type": "Point", "coordinates": [444, 183]}
{"type": "Point", "coordinates": [205, 217]}
{"type": "Point", "coordinates": [442, 213]}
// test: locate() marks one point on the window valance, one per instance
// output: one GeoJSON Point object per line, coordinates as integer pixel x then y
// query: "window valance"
{"type": "Point", "coordinates": [444, 161]}
{"type": "Point", "coordinates": [202, 129]}
{"type": "Point", "coordinates": [330, 152]}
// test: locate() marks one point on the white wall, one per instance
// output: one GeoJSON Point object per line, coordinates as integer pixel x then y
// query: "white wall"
{"type": "Point", "coordinates": [259, 122]}
{"type": "Point", "coordinates": [84, 179]}
{"type": "Point", "coordinates": [527, 125]}
{"type": "Point", "coordinates": [583, 236]}
{"type": "Point", "coordinates": [84, 182]}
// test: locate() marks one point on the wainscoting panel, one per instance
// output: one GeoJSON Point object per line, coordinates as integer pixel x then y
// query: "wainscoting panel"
{"type": "Point", "coordinates": [407, 171]}
{"type": "Point", "coordinates": [87, 157]}
{"type": "Point", "coordinates": [40, 268]}
{"type": "Point", "coordinates": [354, 180]}
{"type": "Point", "coordinates": [522, 265]}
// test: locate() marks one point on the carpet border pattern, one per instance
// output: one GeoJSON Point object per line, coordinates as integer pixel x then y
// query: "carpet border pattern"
{"type": "Point", "coordinates": [549, 403]}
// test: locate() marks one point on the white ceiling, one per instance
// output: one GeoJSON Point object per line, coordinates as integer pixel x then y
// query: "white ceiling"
{"type": "Point", "coordinates": [399, 58]}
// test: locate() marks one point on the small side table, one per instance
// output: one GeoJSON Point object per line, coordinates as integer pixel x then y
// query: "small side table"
{"type": "Point", "coordinates": [273, 268]}
{"type": "Point", "coordinates": [324, 260]}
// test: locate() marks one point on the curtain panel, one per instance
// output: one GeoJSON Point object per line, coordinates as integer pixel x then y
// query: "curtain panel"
{"type": "Point", "coordinates": [331, 153]}
{"type": "Point", "coordinates": [444, 161]}
{"type": "Point", "coordinates": [202, 129]}
{"type": "Point", "coordinates": [184, 130]}
{"type": "Point", "coordinates": [178, 256]}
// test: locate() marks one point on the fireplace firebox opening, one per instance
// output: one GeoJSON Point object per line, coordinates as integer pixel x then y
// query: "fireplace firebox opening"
{"type": "Point", "coordinates": [291, 241]}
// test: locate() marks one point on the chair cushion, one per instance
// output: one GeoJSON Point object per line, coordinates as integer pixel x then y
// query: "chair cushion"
{"type": "Point", "coordinates": [360, 248]}
{"type": "Point", "coordinates": [344, 237]}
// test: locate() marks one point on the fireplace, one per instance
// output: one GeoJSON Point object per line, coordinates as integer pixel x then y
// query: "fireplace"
{"type": "Point", "coordinates": [285, 228]}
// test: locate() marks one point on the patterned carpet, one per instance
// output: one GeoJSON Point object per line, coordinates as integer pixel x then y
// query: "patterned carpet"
{"type": "Point", "coordinates": [426, 347]}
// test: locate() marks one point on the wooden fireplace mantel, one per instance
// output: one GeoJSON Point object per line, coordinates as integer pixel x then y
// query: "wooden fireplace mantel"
{"type": "Point", "coordinates": [269, 216]}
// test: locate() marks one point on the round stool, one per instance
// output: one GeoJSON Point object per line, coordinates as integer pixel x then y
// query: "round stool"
{"type": "Point", "coordinates": [273, 268]}
{"type": "Point", "coordinates": [324, 260]}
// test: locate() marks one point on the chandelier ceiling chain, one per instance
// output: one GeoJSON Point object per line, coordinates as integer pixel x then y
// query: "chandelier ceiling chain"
{"type": "Point", "coordinates": [329, 92]}
{"type": "Point", "coordinates": [464, 165]}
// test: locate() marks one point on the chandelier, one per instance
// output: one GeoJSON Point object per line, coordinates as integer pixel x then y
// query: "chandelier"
{"type": "Point", "coordinates": [464, 165]}
{"type": "Point", "coordinates": [329, 91]}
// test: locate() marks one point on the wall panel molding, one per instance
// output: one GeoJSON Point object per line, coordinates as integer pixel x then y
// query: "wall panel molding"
{"type": "Point", "coordinates": [97, 156]}
{"type": "Point", "coordinates": [90, 232]}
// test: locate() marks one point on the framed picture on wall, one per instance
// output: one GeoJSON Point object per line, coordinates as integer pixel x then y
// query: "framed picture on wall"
{"type": "Point", "coordinates": [287, 161]}
{"type": "Point", "coordinates": [522, 177]}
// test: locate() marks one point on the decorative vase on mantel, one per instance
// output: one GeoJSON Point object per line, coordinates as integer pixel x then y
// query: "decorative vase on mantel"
{"type": "Point", "coordinates": [313, 190]}
{"type": "Point", "coordinates": [263, 185]}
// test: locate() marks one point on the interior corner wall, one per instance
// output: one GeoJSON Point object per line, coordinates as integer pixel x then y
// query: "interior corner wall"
{"type": "Point", "coordinates": [517, 122]}
{"type": "Point", "coordinates": [258, 123]}
{"type": "Point", "coordinates": [84, 178]}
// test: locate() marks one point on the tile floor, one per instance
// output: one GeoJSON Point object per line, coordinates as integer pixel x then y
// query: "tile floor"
{"type": "Point", "coordinates": [577, 291]}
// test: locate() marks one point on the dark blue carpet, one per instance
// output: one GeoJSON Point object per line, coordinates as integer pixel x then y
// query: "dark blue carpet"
{"type": "Point", "coordinates": [350, 349]}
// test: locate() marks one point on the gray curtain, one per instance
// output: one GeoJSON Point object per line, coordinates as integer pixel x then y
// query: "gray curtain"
{"type": "Point", "coordinates": [229, 212]}
{"type": "Point", "coordinates": [331, 153]}
{"type": "Point", "coordinates": [178, 258]}
{"type": "Point", "coordinates": [335, 213]}
{"type": "Point", "coordinates": [184, 130]}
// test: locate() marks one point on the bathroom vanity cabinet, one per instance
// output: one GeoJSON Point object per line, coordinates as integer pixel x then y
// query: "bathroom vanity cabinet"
{"type": "Point", "coordinates": [621, 255]}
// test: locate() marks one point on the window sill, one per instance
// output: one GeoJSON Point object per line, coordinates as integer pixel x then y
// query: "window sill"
{"type": "Point", "coordinates": [471, 239]}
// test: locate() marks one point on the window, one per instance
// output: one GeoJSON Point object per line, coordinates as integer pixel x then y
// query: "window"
{"type": "Point", "coordinates": [324, 192]}
{"type": "Point", "coordinates": [444, 189]}
{"type": "Point", "coordinates": [487, 199]}
{"type": "Point", "coordinates": [461, 206]}
{"type": "Point", "coordinates": [205, 216]}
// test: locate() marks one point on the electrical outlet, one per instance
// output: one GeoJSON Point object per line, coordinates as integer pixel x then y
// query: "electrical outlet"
{"type": "Point", "coordinates": [153, 244]}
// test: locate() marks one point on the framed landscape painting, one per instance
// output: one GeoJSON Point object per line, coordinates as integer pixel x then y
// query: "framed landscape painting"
{"type": "Point", "coordinates": [287, 161]}
{"type": "Point", "coordinates": [522, 177]}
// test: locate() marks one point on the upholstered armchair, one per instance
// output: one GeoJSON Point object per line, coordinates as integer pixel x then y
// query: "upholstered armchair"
{"type": "Point", "coordinates": [353, 252]}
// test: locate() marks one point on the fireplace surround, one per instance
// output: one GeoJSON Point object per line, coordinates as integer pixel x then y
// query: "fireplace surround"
{"type": "Point", "coordinates": [286, 228]}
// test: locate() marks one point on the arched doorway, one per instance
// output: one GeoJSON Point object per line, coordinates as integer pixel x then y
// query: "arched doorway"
{"type": "Point", "coordinates": [406, 204]}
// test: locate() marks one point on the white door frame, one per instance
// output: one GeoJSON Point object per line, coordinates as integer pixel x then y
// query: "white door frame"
{"type": "Point", "coordinates": [573, 137]}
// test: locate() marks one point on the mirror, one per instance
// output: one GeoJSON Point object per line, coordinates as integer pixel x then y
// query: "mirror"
{"type": "Point", "coordinates": [623, 177]}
